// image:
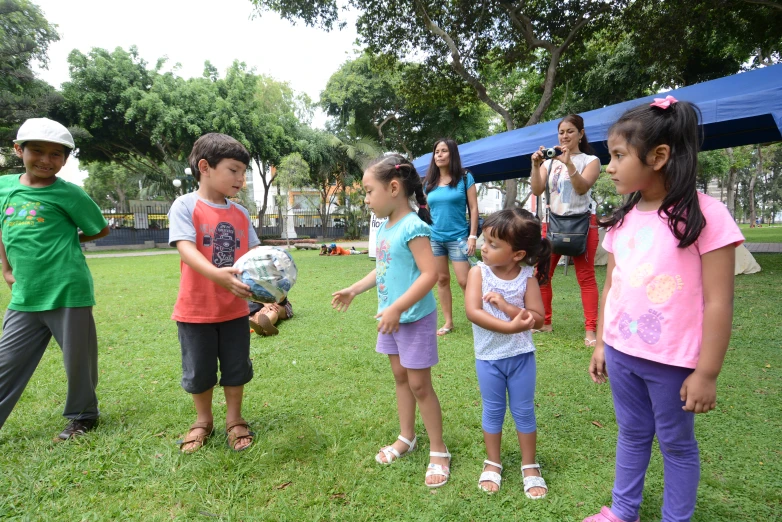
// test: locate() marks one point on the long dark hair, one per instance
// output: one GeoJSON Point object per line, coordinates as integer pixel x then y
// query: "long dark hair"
{"type": "Point", "coordinates": [522, 230]}
{"type": "Point", "coordinates": [394, 166]}
{"type": "Point", "coordinates": [457, 172]}
{"type": "Point", "coordinates": [578, 123]}
{"type": "Point", "coordinates": [645, 127]}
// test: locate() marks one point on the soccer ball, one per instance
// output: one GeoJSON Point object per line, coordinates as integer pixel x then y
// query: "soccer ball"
{"type": "Point", "coordinates": [269, 272]}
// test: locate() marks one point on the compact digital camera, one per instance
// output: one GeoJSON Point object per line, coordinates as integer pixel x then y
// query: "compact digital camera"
{"type": "Point", "coordinates": [551, 152]}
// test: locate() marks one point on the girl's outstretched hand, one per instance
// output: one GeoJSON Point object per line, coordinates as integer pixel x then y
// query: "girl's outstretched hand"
{"type": "Point", "coordinates": [341, 299]}
{"type": "Point", "coordinates": [522, 322]}
{"type": "Point", "coordinates": [699, 393]}
{"type": "Point", "coordinates": [389, 320]}
{"type": "Point", "coordinates": [597, 365]}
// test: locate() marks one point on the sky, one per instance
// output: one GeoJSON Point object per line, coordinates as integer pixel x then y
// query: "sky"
{"type": "Point", "coordinates": [189, 32]}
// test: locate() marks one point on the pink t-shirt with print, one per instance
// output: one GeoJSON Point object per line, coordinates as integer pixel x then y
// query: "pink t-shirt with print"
{"type": "Point", "coordinates": [655, 307]}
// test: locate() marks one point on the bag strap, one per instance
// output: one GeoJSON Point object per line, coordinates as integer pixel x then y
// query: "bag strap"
{"type": "Point", "coordinates": [469, 214]}
{"type": "Point", "coordinates": [548, 175]}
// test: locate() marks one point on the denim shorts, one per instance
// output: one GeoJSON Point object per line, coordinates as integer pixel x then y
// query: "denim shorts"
{"type": "Point", "coordinates": [448, 248]}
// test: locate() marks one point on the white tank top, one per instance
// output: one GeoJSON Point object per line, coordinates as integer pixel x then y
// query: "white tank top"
{"type": "Point", "coordinates": [489, 345]}
{"type": "Point", "coordinates": [565, 200]}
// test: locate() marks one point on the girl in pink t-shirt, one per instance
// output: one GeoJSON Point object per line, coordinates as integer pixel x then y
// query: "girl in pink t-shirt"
{"type": "Point", "coordinates": [662, 333]}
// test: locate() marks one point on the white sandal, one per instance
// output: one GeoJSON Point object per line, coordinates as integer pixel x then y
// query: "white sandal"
{"type": "Point", "coordinates": [439, 469]}
{"type": "Point", "coordinates": [533, 482]}
{"type": "Point", "coordinates": [392, 454]}
{"type": "Point", "coordinates": [490, 476]}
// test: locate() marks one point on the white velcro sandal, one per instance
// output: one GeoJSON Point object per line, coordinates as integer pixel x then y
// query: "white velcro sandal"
{"type": "Point", "coordinates": [437, 469]}
{"type": "Point", "coordinates": [533, 482]}
{"type": "Point", "coordinates": [392, 454]}
{"type": "Point", "coordinates": [490, 476]}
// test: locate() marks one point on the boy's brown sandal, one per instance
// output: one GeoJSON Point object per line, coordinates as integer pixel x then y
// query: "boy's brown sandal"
{"type": "Point", "coordinates": [198, 439]}
{"type": "Point", "coordinates": [233, 438]}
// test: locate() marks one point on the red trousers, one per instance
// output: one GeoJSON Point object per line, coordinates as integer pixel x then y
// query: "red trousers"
{"type": "Point", "coordinates": [585, 273]}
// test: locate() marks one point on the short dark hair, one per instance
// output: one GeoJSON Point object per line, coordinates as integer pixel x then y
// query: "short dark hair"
{"type": "Point", "coordinates": [522, 230]}
{"type": "Point", "coordinates": [214, 148]}
{"type": "Point", "coordinates": [66, 149]}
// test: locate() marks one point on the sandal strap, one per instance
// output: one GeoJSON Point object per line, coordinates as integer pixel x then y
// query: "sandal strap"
{"type": "Point", "coordinates": [438, 469]}
{"type": "Point", "coordinates": [410, 443]}
{"type": "Point", "coordinates": [388, 451]}
{"type": "Point", "coordinates": [490, 476]}
{"type": "Point", "coordinates": [238, 422]}
{"type": "Point", "coordinates": [202, 425]}
{"type": "Point", "coordinates": [487, 462]}
{"type": "Point", "coordinates": [534, 482]}
{"type": "Point", "coordinates": [530, 466]}
{"type": "Point", "coordinates": [445, 455]}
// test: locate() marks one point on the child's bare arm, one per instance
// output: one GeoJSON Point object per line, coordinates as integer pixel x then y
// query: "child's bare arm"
{"type": "Point", "coordinates": [8, 273]}
{"type": "Point", "coordinates": [224, 277]}
{"type": "Point", "coordinates": [597, 365]}
{"type": "Point", "coordinates": [699, 391]}
{"type": "Point", "coordinates": [341, 299]}
{"type": "Point", "coordinates": [473, 306]}
{"type": "Point", "coordinates": [102, 233]}
{"type": "Point", "coordinates": [533, 302]}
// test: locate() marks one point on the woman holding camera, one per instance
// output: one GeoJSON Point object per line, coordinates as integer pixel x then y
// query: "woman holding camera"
{"type": "Point", "coordinates": [450, 190]}
{"type": "Point", "coordinates": [570, 178]}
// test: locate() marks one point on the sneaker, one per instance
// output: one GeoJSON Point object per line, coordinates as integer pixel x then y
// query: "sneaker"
{"type": "Point", "coordinates": [77, 428]}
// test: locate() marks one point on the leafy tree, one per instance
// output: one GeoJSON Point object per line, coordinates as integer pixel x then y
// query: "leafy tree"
{"type": "Point", "coordinates": [535, 34]}
{"type": "Point", "coordinates": [293, 172]}
{"type": "Point", "coordinates": [25, 35]}
{"type": "Point", "coordinates": [405, 106]}
{"type": "Point", "coordinates": [111, 185]}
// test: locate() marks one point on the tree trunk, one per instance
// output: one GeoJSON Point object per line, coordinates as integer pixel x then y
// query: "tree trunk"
{"type": "Point", "coordinates": [731, 189]}
{"type": "Point", "coordinates": [752, 181]}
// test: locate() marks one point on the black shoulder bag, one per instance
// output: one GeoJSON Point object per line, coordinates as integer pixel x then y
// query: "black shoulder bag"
{"type": "Point", "coordinates": [568, 234]}
{"type": "Point", "coordinates": [469, 214]}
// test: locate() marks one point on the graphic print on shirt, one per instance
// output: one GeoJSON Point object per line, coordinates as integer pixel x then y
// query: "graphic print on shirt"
{"type": "Point", "coordinates": [561, 184]}
{"type": "Point", "coordinates": [224, 245]}
{"type": "Point", "coordinates": [24, 213]}
{"type": "Point", "coordinates": [659, 288]}
{"type": "Point", "coordinates": [383, 259]}
{"type": "Point", "coordinates": [648, 327]}
{"type": "Point", "coordinates": [641, 242]}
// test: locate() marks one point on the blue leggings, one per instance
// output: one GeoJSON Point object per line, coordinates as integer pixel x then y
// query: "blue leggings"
{"type": "Point", "coordinates": [517, 376]}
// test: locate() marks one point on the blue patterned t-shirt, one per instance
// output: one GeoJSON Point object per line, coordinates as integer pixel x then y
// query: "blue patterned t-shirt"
{"type": "Point", "coordinates": [396, 268]}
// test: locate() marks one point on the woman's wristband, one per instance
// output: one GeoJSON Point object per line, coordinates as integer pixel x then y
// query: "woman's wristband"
{"type": "Point", "coordinates": [575, 171]}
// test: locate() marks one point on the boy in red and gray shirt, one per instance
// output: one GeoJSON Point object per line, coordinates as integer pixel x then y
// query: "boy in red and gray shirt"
{"type": "Point", "coordinates": [211, 233]}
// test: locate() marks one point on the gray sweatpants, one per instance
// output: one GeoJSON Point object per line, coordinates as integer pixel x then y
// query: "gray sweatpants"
{"type": "Point", "coordinates": [24, 340]}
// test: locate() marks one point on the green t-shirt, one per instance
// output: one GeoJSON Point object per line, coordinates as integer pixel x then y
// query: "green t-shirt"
{"type": "Point", "coordinates": [41, 239]}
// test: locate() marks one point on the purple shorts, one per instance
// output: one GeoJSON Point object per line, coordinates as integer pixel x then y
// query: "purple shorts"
{"type": "Point", "coordinates": [415, 343]}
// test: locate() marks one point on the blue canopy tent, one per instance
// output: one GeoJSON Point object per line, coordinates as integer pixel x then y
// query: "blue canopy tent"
{"type": "Point", "coordinates": [737, 110]}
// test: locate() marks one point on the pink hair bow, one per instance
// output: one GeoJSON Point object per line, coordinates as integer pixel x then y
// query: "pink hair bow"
{"type": "Point", "coordinates": [664, 103]}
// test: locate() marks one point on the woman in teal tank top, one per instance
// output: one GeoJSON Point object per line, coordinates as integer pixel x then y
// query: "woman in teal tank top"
{"type": "Point", "coordinates": [450, 190]}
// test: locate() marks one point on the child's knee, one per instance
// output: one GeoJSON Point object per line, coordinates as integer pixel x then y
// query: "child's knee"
{"type": "Point", "coordinates": [492, 419]}
{"type": "Point", "coordinates": [524, 419]}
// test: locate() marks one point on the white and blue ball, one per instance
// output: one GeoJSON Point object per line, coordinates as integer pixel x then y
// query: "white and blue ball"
{"type": "Point", "coordinates": [269, 272]}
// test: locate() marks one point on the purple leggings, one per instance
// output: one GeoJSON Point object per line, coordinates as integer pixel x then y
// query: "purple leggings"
{"type": "Point", "coordinates": [647, 402]}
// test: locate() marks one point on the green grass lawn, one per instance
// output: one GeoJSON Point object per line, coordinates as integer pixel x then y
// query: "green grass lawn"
{"type": "Point", "coordinates": [322, 403]}
{"type": "Point", "coordinates": [764, 234]}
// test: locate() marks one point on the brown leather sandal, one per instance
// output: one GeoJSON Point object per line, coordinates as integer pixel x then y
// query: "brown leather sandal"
{"type": "Point", "coordinates": [233, 438]}
{"type": "Point", "coordinates": [199, 439]}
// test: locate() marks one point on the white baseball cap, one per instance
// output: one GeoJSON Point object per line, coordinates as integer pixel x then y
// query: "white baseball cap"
{"type": "Point", "coordinates": [44, 129]}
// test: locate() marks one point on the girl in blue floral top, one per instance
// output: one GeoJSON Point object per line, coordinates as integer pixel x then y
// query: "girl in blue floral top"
{"type": "Point", "coordinates": [405, 274]}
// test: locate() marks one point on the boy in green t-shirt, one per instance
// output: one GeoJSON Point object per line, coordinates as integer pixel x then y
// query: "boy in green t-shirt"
{"type": "Point", "coordinates": [43, 265]}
